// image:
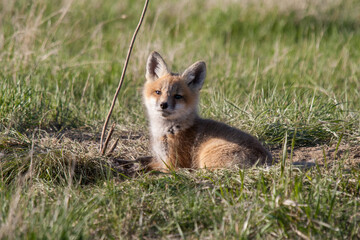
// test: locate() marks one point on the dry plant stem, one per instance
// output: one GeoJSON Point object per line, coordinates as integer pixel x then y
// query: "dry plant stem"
{"type": "Point", "coordinates": [103, 147]}
{"type": "Point", "coordinates": [113, 147]}
{"type": "Point", "coordinates": [108, 139]}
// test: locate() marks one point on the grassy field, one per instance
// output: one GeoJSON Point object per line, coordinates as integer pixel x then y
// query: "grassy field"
{"type": "Point", "coordinates": [285, 71]}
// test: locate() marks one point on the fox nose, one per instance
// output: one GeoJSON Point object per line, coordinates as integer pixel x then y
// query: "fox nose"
{"type": "Point", "coordinates": [164, 105]}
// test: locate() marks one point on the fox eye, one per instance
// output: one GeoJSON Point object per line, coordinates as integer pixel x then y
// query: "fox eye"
{"type": "Point", "coordinates": [158, 92]}
{"type": "Point", "coordinates": [177, 96]}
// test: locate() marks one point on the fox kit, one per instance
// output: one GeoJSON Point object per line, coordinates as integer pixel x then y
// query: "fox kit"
{"type": "Point", "coordinates": [179, 137]}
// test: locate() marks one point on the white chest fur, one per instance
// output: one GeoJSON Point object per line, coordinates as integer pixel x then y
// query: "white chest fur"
{"type": "Point", "coordinates": [158, 131]}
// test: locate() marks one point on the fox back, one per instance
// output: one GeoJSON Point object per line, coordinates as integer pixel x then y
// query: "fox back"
{"type": "Point", "coordinates": [179, 137]}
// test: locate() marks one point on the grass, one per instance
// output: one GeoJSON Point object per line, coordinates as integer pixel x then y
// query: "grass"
{"type": "Point", "coordinates": [255, 203]}
{"type": "Point", "coordinates": [286, 72]}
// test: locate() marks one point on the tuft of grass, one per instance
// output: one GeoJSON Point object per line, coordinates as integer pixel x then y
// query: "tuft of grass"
{"type": "Point", "coordinates": [42, 158]}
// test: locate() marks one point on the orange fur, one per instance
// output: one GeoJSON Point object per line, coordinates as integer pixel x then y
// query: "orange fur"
{"type": "Point", "coordinates": [179, 137]}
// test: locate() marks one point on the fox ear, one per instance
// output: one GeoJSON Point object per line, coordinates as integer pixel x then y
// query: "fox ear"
{"type": "Point", "coordinates": [155, 67]}
{"type": "Point", "coordinates": [195, 75]}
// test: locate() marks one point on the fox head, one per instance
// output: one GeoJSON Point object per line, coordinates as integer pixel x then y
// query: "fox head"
{"type": "Point", "coordinates": [169, 95]}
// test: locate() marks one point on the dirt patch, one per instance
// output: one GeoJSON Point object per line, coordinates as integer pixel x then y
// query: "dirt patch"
{"type": "Point", "coordinates": [84, 143]}
{"type": "Point", "coordinates": [350, 155]}
{"type": "Point", "coordinates": [87, 134]}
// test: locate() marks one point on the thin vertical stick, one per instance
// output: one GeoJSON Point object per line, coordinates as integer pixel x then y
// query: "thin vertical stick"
{"type": "Point", "coordinates": [122, 76]}
{"type": "Point", "coordinates": [113, 147]}
{"type": "Point", "coordinates": [108, 139]}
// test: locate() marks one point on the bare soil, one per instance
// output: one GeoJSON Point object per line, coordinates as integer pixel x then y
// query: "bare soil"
{"type": "Point", "coordinates": [324, 154]}
{"type": "Point", "coordinates": [134, 145]}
